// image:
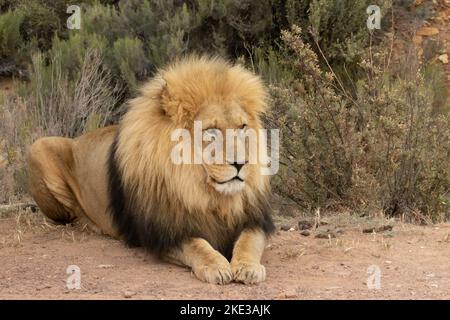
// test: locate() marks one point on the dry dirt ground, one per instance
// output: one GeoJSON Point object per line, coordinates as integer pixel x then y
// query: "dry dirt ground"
{"type": "Point", "coordinates": [414, 263]}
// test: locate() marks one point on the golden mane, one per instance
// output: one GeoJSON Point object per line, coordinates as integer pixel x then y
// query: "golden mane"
{"type": "Point", "coordinates": [158, 204]}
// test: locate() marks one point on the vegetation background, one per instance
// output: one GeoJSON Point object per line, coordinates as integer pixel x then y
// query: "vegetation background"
{"type": "Point", "coordinates": [364, 114]}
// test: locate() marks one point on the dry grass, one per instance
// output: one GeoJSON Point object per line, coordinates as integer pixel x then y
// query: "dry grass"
{"type": "Point", "coordinates": [50, 104]}
{"type": "Point", "coordinates": [69, 109]}
{"type": "Point", "coordinates": [17, 132]}
{"type": "Point", "coordinates": [28, 223]}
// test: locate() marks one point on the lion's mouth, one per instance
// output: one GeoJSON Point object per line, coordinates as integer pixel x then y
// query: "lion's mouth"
{"type": "Point", "coordinates": [229, 187]}
{"type": "Point", "coordinates": [232, 179]}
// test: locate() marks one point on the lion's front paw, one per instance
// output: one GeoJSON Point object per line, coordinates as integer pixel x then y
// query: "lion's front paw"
{"type": "Point", "coordinates": [214, 273]}
{"type": "Point", "coordinates": [248, 273]}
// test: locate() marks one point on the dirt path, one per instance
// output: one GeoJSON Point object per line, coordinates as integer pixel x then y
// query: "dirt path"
{"type": "Point", "coordinates": [414, 262]}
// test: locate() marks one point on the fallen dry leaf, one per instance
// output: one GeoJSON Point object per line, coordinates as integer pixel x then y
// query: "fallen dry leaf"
{"type": "Point", "coordinates": [428, 31]}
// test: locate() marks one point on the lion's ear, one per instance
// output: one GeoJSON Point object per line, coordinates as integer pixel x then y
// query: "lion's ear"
{"type": "Point", "coordinates": [179, 111]}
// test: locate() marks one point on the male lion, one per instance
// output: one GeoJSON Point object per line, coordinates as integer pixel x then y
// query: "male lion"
{"type": "Point", "coordinates": [121, 181]}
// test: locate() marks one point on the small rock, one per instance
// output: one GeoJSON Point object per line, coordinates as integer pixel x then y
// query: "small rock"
{"type": "Point", "coordinates": [105, 266]}
{"type": "Point", "coordinates": [305, 233]}
{"type": "Point", "coordinates": [325, 235]}
{"type": "Point", "coordinates": [305, 225]}
{"type": "Point", "coordinates": [285, 227]}
{"type": "Point", "coordinates": [128, 294]}
{"type": "Point", "coordinates": [443, 58]}
{"type": "Point", "coordinates": [40, 288]}
{"type": "Point", "coordinates": [289, 294]}
{"type": "Point", "coordinates": [378, 229]}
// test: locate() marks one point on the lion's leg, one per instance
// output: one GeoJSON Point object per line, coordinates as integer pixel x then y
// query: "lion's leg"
{"type": "Point", "coordinates": [50, 163]}
{"type": "Point", "coordinates": [247, 253]}
{"type": "Point", "coordinates": [207, 263]}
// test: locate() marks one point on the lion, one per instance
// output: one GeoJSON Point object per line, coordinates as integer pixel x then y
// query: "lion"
{"type": "Point", "coordinates": [119, 180]}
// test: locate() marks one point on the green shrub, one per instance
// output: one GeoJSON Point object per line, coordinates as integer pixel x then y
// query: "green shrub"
{"type": "Point", "coordinates": [40, 22]}
{"type": "Point", "coordinates": [340, 27]}
{"type": "Point", "coordinates": [71, 52]}
{"type": "Point", "coordinates": [337, 27]}
{"type": "Point", "coordinates": [10, 43]}
{"type": "Point", "coordinates": [104, 21]}
{"type": "Point", "coordinates": [385, 150]}
{"type": "Point", "coordinates": [10, 39]}
{"type": "Point", "coordinates": [317, 162]}
{"type": "Point", "coordinates": [129, 58]}
{"type": "Point", "coordinates": [137, 36]}
{"type": "Point", "coordinates": [167, 29]}
{"type": "Point", "coordinates": [407, 143]}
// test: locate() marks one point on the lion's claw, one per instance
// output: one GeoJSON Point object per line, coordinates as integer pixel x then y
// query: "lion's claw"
{"type": "Point", "coordinates": [214, 273]}
{"type": "Point", "coordinates": [248, 273]}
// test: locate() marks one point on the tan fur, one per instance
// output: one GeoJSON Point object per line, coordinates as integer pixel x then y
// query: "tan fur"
{"type": "Point", "coordinates": [69, 177]}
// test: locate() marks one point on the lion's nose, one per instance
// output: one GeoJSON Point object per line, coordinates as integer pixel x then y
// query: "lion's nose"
{"type": "Point", "coordinates": [237, 165]}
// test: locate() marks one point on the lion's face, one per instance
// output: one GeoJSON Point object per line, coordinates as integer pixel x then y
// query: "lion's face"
{"type": "Point", "coordinates": [221, 97]}
{"type": "Point", "coordinates": [228, 171]}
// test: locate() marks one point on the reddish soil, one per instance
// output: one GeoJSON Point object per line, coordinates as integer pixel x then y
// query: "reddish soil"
{"type": "Point", "coordinates": [413, 260]}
